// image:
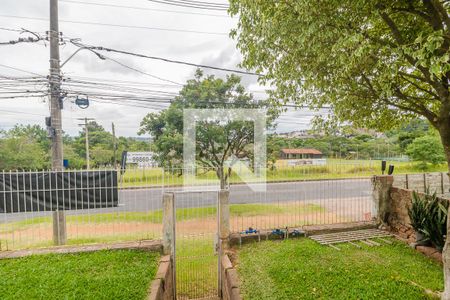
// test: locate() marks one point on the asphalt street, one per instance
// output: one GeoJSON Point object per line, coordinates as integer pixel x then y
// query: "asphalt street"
{"type": "Point", "coordinates": [147, 199]}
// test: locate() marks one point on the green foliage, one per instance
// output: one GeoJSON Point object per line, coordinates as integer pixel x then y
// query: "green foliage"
{"type": "Point", "coordinates": [24, 147]}
{"type": "Point", "coordinates": [418, 212]}
{"type": "Point", "coordinates": [426, 149]}
{"type": "Point", "coordinates": [377, 63]}
{"type": "Point", "coordinates": [216, 142]}
{"type": "Point", "coordinates": [428, 215]}
{"type": "Point", "coordinates": [118, 274]}
{"type": "Point", "coordinates": [435, 223]}
{"type": "Point", "coordinates": [304, 269]}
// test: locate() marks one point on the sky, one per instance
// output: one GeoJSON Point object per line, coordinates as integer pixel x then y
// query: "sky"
{"type": "Point", "coordinates": [184, 34]}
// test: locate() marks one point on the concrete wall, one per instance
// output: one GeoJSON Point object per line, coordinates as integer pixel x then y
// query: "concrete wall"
{"type": "Point", "coordinates": [392, 203]}
{"type": "Point", "coordinates": [230, 280]}
{"type": "Point", "coordinates": [398, 219]}
{"type": "Point", "coordinates": [162, 286]}
{"type": "Point", "coordinates": [436, 182]}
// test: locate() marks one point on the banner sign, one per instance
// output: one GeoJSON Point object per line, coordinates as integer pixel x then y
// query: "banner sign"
{"type": "Point", "coordinates": [53, 190]}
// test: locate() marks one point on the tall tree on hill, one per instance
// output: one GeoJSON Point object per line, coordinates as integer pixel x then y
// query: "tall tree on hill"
{"type": "Point", "coordinates": [377, 62]}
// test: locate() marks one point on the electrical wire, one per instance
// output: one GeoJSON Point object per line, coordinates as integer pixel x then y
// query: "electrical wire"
{"type": "Point", "coordinates": [101, 48]}
{"type": "Point", "coordinates": [191, 4]}
{"type": "Point", "coordinates": [140, 71]}
{"type": "Point", "coordinates": [21, 70]}
{"type": "Point", "coordinates": [20, 113]}
{"type": "Point", "coordinates": [143, 8]}
{"type": "Point", "coordinates": [118, 25]}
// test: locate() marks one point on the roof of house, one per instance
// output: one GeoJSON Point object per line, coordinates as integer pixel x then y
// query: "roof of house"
{"type": "Point", "coordinates": [301, 151]}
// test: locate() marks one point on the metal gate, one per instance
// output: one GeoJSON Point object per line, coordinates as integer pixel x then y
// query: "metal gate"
{"type": "Point", "coordinates": [196, 255]}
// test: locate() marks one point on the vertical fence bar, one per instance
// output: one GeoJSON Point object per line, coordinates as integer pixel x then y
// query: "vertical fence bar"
{"type": "Point", "coordinates": [223, 232]}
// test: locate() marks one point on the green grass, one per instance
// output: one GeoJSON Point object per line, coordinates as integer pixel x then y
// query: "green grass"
{"type": "Point", "coordinates": [196, 267]}
{"type": "Point", "coordinates": [240, 210]}
{"type": "Point", "coordinates": [120, 274]}
{"type": "Point", "coordinates": [303, 269]}
{"type": "Point", "coordinates": [335, 169]}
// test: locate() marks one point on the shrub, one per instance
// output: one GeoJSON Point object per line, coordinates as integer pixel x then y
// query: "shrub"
{"type": "Point", "coordinates": [435, 225]}
{"type": "Point", "coordinates": [428, 215]}
{"type": "Point", "coordinates": [417, 212]}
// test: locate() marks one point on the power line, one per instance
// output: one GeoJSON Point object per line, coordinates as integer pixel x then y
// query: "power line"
{"type": "Point", "coordinates": [118, 25]}
{"type": "Point", "coordinates": [20, 113]}
{"type": "Point", "coordinates": [200, 3]}
{"type": "Point", "coordinates": [101, 48]}
{"type": "Point", "coordinates": [191, 4]}
{"type": "Point", "coordinates": [143, 8]}
{"type": "Point", "coordinates": [22, 40]}
{"type": "Point", "coordinates": [21, 70]}
{"type": "Point", "coordinates": [140, 71]}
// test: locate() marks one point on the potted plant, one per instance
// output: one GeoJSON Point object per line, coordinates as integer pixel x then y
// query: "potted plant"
{"type": "Point", "coordinates": [418, 214]}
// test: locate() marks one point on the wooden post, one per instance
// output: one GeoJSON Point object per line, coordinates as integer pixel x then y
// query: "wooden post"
{"type": "Point", "coordinates": [168, 223]}
{"type": "Point", "coordinates": [59, 228]}
{"type": "Point", "coordinates": [407, 182]}
{"type": "Point", "coordinates": [424, 182]}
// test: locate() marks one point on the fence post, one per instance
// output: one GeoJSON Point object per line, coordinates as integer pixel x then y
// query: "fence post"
{"type": "Point", "coordinates": [424, 182]}
{"type": "Point", "coordinates": [381, 197]}
{"type": "Point", "coordinates": [407, 182]}
{"type": "Point", "coordinates": [224, 218]}
{"type": "Point", "coordinates": [224, 232]}
{"type": "Point", "coordinates": [59, 228]}
{"type": "Point", "coordinates": [168, 223]}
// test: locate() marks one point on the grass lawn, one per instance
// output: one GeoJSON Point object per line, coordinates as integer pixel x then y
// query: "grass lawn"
{"type": "Point", "coordinates": [196, 267]}
{"type": "Point", "coordinates": [119, 274]}
{"type": "Point", "coordinates": [182, 214]}
{"type": "Point", "coordinates": [303, 269]}
{"type": "Point", "coordinates": [334, 169]}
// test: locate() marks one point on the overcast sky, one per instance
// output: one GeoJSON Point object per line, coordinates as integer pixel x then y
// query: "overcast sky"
{"type": "Point", "coordinates": [214, 47]}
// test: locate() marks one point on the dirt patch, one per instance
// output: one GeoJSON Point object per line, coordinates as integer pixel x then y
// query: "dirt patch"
{"type": "Point", "coordinates": [85, 232]}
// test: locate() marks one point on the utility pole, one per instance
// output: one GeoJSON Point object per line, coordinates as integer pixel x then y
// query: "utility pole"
{"type": "Point", "coordinates": [114, 146]}
{"type": "Point", "coordinates": [86, 135]}
{"type": "Point", "coordinates": [55, 92]}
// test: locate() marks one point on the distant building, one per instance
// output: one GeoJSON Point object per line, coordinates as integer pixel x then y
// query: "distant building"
{"type": "Point", "coordinates": [300, 153]}
{"type": "Point", "coordinates": [301, 156]}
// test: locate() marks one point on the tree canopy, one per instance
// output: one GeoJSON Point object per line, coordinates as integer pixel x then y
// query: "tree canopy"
{"type": "Point", "coordinates": [216, 142]}
{"type": "Point", "coordinates": [376, 63]}
{"type": "Point", "coordinates": [426, 149]}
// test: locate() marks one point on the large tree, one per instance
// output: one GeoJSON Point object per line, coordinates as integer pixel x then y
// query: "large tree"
{"type": "Point", "coordinates": [376, 62]}
{"type": "Point", "coordinates": [24, 147]}
{"type": "Point", "coordinates": [216, 141]}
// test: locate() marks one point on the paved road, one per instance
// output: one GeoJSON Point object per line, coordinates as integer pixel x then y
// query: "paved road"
{"type": "Point", "coordinates": [320, 191]}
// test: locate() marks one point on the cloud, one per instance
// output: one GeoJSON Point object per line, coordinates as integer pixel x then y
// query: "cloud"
{"type": "Point", "coordinates": [229, 58]}
{"type": "Point", "coordinates": [215, 50]}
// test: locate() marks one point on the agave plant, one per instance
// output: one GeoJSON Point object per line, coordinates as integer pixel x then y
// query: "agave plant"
{"type": "Point", "coordinates": [418, 212]}
{"type": "Point", "coordinates": [435, 224]}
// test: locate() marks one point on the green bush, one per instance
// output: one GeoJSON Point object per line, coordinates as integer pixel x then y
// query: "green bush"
{"type": "Point", "coordinates": [418, 212]}
{"type": "Point", "coordinates": [428, 215]}
{"type": "Point", "coordinates": [435, 225]}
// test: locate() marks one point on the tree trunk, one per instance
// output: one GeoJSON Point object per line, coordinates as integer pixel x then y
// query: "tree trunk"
{"type": "Point", "coordinates": [221, 175]}
{"type": "Point", "coordinates": [444, 131]}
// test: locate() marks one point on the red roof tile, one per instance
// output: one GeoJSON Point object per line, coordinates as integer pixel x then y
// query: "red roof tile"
{"type": "Point", "coordinates": [301, 151]}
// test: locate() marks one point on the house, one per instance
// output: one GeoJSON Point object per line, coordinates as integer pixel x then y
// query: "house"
{"type": "Point", "coordinates": [300, 153]}
{"type": "Point", "coordinates": [301, 156]}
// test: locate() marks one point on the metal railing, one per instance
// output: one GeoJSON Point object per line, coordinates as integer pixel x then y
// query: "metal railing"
{"type": "Point", "coordinates": [295, 196]}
